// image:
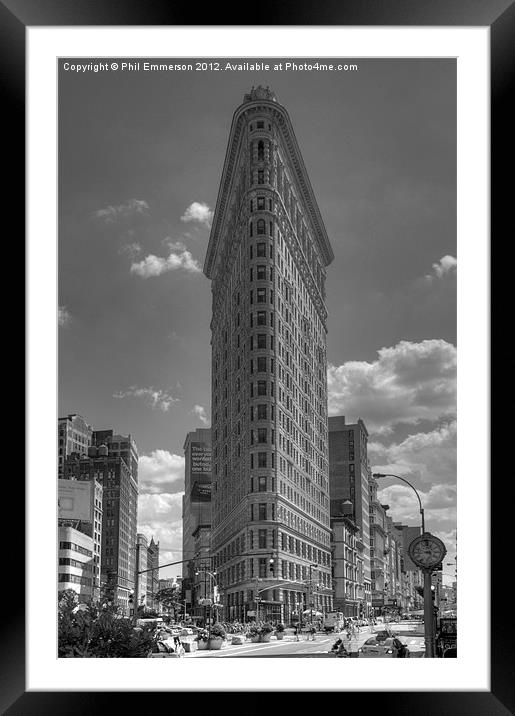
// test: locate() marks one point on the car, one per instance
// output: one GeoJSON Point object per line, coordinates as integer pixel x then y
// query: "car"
{"type": "Point", "coordinates": [382, 648]}
{"type": "Point", "coordinates": [383, 633]}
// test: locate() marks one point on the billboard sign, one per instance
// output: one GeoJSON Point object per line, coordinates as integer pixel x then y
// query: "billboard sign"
{"type": "Point", "coordinates": [200, 460]}
{"type": "Point", "coordinates": [75, 500]}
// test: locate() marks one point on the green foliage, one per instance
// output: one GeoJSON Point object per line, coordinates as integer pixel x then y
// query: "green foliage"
{"type": "Point", "coordinates": [266, 628]}
{"type": "Point", "coordinates": [170, 597]}
{"type": "Point", "coordinates": [218, 630]}
{"type": "Point", "coordinates": [91, 632]}
{"type": "Point", "coordinates": [279, 627]}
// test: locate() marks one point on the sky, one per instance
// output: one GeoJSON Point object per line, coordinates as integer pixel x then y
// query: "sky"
{"type": "Point", "coordinates": [140, 160]}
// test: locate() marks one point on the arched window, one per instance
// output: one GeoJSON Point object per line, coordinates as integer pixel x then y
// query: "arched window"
{"type": "Point", "coordinates": [261, 151]}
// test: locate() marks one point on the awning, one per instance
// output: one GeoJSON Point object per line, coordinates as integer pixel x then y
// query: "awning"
{"type": "Point", "coordinates": [312, 612]}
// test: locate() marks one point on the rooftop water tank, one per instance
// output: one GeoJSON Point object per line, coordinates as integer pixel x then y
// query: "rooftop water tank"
{"type": "Point", "coordinates": [103, 451]}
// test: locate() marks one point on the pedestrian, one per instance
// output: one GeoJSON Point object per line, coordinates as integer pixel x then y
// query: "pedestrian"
{"type": "Point", "coordinates": [296, 632]}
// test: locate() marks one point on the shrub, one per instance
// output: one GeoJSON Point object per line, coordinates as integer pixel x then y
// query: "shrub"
{"type": "Point", "coordinates": [89, 632]}
{"type": "Point", "coordinates": [279, 627]}
{"type": "Point", "coordinates": [217, 630]}
{"type": "Point", "coordinates": [266, 628]}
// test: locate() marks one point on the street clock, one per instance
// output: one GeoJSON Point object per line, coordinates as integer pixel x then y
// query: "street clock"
{"type": "Point", "coordinates": [427, 551]}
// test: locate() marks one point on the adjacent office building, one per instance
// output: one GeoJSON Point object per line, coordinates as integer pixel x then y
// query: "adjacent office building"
{"type": "Point", "coordinates": [141, 579]}
{"type": "Point", "coordinates": [267, 258]}
{"type": "Point", "coordinates": [119, 519]}
{"type": "Point", "coordinates": [74, 436]}
{"type": "Point", "coordinates": [349, 473]}
{"type": "Point", "coordinates": [76, 562]}
{"type": "Point", "coordinates": [80, 508]}
{"type": "Point", "coordinates": [152, 576]}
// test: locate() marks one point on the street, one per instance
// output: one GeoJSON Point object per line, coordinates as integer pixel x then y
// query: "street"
{"type": "Point", "coordinates": [287, 647]}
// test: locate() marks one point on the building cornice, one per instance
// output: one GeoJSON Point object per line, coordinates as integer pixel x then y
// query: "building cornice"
{"type": "Point", "coordinates": [282, 119]}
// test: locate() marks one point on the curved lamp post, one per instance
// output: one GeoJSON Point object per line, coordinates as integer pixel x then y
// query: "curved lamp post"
{"type": "Point", "coordinates": [381, 474]}
{"type": "Point", "coordinates": [428, 602]}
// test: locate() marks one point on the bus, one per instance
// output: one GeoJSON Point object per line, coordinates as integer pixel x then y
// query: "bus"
{"type": "Point", "coordinates": [334, 621]}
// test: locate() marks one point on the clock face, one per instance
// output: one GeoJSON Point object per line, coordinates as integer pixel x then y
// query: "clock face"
{"type": "Point", "coordinates": [427, 550]}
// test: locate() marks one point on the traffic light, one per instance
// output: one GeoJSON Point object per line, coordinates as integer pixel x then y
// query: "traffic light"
{"type": "Point", "coordinates": [271, 565]}
{"type": "Point", "coordinates": [433, 592]}
{"type": "Point", "coordinates": [131, 599]}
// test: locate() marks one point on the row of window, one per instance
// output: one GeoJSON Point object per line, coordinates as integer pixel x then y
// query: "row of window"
{"type": "Point", "coordinates": [74, 579]}
{"type": "Point", "coordinates": [75, 548]}
{"type": "Point", "coordinates": [74, 563]}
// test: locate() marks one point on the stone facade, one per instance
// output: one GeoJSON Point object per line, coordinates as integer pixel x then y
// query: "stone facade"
{"type": "Point", "coordinates": [266, 258]}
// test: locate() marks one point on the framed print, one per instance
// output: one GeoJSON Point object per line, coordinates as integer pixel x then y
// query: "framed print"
{"type": "Point", "coordinates": [348, 157]}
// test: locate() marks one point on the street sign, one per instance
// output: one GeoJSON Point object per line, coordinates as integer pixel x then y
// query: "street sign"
{"type": "Point", "coordinates": [251, 614]}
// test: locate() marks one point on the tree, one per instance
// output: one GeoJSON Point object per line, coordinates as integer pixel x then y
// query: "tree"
{"type": "Point", "coordinates": [102, 633]}
{"type": "Point", "coordinates": [170, 598]}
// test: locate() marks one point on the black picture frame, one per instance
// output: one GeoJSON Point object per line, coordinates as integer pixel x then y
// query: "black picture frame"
{"type": "Point", "coordinates": [499, 16]}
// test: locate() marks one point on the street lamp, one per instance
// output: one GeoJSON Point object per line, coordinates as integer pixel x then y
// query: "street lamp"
{"type": "Point", "coordinates": [311, 594]}
{"type": "Point", "coordinates": [425, 566]}
{"type": "Point", "coordinates": [380, 474]}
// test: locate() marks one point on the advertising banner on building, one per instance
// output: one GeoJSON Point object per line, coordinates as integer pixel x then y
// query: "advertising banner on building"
{"type": "Point", "coordinates": [200, 461]}
{"type": "Point", "coordinates": [74, 500]}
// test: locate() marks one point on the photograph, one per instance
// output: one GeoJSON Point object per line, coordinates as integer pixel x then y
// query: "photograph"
{"type": "Point", "coordinates": [257, 357]}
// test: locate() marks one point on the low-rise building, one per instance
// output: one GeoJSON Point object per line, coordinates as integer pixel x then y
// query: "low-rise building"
{"type": "Point", "coordinates": [76, 562]}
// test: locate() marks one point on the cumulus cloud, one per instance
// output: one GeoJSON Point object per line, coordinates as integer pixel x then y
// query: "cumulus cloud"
{"type": "Point", "coordinates": [161, 472]}
{"type": "Point", "coordinates": [428, 457]}
{"type": "Point", "coordinates": [179, 258]}
{"type": "Point", "coordinates": [198, 212]}
{"type": "Point", "coordinates": [63, 316]}
{"type": "Point", "coordinates": [113, 214]}
{"type": "Point", "coordinates": [132, 250]}
{"type": "Point", "coordinates": [160, 517]}
{"type": "Point", "coordinates": [160, 399]}
{"type": "Point", "coordinates": [201, 414]}
{"type": "Point", "coordinates": [445, 266]}
{"type": "Point", "coordinates": [408, 383]}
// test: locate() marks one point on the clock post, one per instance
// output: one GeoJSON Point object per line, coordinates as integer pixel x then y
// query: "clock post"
{"type": "Point", "coordinates": [427, 551]}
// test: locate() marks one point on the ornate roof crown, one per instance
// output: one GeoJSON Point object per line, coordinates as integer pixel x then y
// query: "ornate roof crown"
{"type": "Point", "coordinates": [260, 92]}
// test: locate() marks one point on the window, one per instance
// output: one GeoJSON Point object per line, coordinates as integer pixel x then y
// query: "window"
{"type": "Point", "coordinates": [262, 567]}
{"type": "Point", "coordinates": [262, 486]}
{"type": "Point", "coordinates": [262, 511]}
{"type": "Point", "coordinates": [261, 295]}
{"type": "Point", "coordinates": [261, 387]}
{"type": "Point", "coordinates": [261, 250]}
{"type": "Point", "coordinates": [261, 318]}
{"type": "Point", "coordinates": [261, 412]}
{"type": "Point", "coordinates": [261, 202]}
{"type": "Point", "coordinates": [262, 459]}
{"type": "Point", "coordinates": [261, 273]}
{"type": "Point", "coordinates": [261, 365]}
{"type": "Point", "coordinates": [260, 227]}
{"type": "Point", "coordinates": [261, 435]}
{"type": "Point", "coordinates": [261, 176]}
{"type": "Point", "coordinates": [261, 340]}
{"type": "Point", "coordinates": [261, 125]}
{"type": "Point", "coordinates": [262, 539]}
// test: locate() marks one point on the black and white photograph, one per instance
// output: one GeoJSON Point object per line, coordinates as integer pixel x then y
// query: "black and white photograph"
{"type": "Point", "coordinates": [257, 267]}
{"type": "Point", "coordinates": [258, 402]}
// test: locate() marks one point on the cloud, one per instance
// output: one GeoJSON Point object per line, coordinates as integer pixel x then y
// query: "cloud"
{"type": "Point", "coordinates": [199, 212]}
{"type": "Point", "coordinates": [113, 214]}
{"type": "Point", "coordinates": [179, 258]}
{"type": "Point", "coordinates": [161, 472]}
{"type": "Point", "coordinates": [63, 317]}
{"type": "Point", "coordinates": [160, 399]}
{"type": "Point", "coordinates": [160, 517]}
{"type": "Point", "coordinates": [428, 457]}
{"type": "Point", "coordinates": [132, 250]}
{"type": "Point", "coordinates": [201, 414]}
{"type": "Point", "coordinates": [445, 266]}
{"type": "Point", "coordinates": [408, 383]}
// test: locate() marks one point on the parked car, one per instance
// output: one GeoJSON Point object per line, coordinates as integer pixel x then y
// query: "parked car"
{"type": "Point", "coordinates": [382, 633]}
{"type": "Point", "coordinates": [391, 648]}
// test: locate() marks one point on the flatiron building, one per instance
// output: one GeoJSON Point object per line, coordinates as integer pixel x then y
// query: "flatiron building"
{"type": "Point", "coordinates": [267, 257]}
